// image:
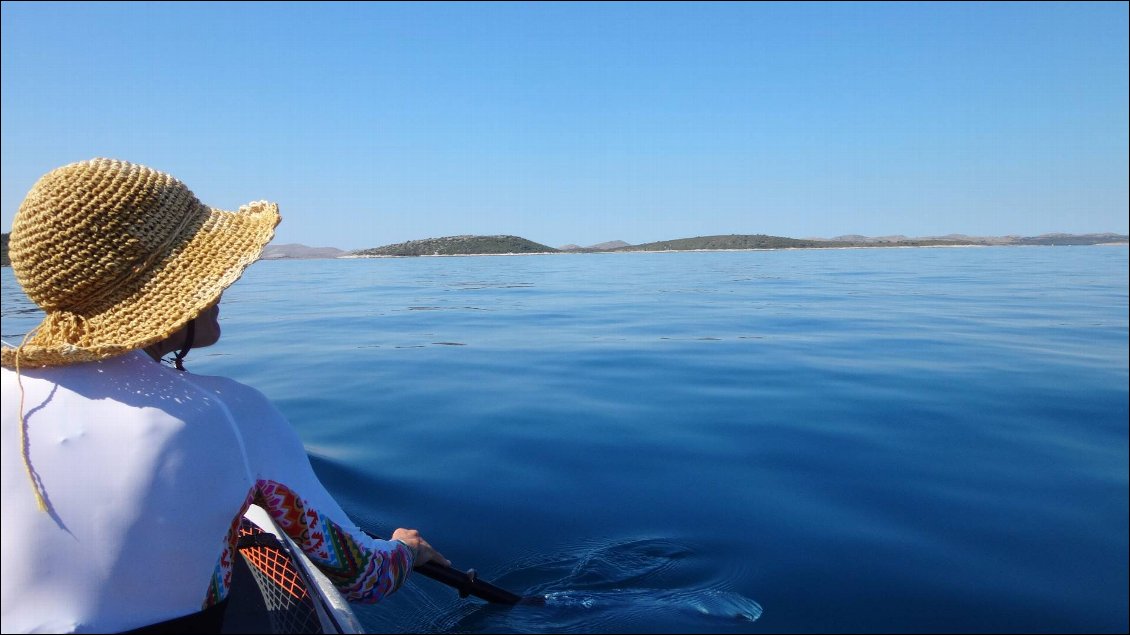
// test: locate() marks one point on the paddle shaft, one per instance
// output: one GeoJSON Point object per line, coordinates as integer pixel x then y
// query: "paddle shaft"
{"type": "Point", "coordinates": [467, 583]}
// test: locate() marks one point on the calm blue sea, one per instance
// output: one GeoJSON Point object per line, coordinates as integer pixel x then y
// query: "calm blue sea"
{"type": "Point", "coordinates": [863, 440]}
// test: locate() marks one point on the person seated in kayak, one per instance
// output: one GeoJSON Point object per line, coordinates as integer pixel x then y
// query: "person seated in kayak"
{"type": "Point", "coordinates": [124, 480]}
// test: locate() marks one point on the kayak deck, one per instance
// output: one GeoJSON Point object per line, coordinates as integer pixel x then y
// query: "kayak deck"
{"type": "Point", "coordinates": [276, 589]}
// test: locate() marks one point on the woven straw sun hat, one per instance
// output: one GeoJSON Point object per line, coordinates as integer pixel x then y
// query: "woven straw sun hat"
{"type": "Point", "coordinates": [120, 256]}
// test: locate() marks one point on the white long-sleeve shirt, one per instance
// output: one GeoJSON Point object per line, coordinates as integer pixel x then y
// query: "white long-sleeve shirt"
{"type": "Point", "coordinates": [146, 470]}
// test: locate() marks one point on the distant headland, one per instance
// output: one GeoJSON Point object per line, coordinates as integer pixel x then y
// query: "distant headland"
{"type": "Point", "coordinates": [513, 245]}
{"type": "Point", "coordinates": [495, 245]}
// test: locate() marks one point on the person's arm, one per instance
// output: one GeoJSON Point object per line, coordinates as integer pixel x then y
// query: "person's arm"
{"type": "Point", "coordinates": [363, 568]}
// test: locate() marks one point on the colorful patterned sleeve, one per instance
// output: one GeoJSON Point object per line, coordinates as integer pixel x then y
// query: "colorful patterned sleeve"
{"type": "Point", "coordinates": [362, 568]}
{"type": "Point", "coordinates": [281, 480]}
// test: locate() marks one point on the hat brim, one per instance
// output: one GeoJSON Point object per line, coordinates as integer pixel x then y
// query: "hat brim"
{"type": "Point", "coordinates": [185, 282]}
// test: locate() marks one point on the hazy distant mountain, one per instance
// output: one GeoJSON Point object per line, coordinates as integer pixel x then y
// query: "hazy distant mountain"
{"type": "Point", "coordinates": [275, 252]}
{"type": "Point", "coordinates": [605, 246]}
{"type": "Point", "coordinates": [856, 238]}
{"type": "Point", "coordinates": [851, 238]}
{"type": "Point", "coordinates": [4, 252]}
{"type": "Point", "coordinates": [459, 246]}
{"type": "Point", "coordinates": [612, 244]}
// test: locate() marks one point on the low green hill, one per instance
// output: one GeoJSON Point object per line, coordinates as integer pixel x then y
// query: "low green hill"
{"type": "Point", "coordinates": [460, 246]}
{"type": "Point", "coordinates": [734, 241]}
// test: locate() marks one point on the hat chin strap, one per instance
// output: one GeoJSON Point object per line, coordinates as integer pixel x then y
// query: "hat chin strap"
{"type": "Point", "coordinates": [178, 358]}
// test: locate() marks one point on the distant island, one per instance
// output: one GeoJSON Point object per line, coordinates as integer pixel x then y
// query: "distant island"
{"type": "Point", "coordinates": [504, 244]}
{"type": "Point", "coordinates": [734, 242]}
{"type": "Point", "coordinates": [459, 246]}
{"type": "Point", "coordinates": [488, 245]}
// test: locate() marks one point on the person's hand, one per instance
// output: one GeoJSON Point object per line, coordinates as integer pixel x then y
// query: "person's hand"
{"type": "Point", "coordinates": [421, 550]}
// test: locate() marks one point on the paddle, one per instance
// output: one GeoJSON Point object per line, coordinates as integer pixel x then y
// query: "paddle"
{"type": "Point", "coordinates": [468, 583]}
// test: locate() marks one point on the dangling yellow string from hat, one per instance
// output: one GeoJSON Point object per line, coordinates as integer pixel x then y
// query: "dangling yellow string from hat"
{"type": "Point", "coordinates": [25, 446]}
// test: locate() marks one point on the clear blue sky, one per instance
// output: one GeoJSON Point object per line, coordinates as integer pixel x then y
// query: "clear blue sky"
{"type": "Point", "coordinates": [584, 122]}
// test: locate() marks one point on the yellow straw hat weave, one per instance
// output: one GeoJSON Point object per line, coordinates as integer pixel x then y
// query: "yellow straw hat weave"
{"type": "Point", "coordinates": [120, 256]}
